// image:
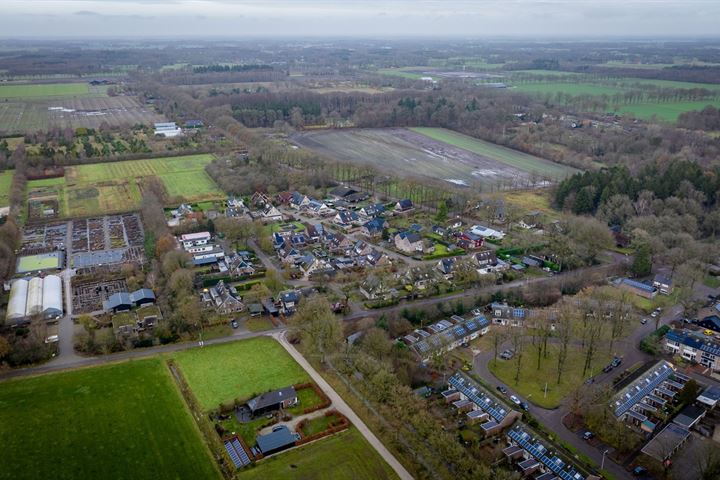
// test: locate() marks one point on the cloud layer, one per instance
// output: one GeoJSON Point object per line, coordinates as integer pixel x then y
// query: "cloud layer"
{"type": "Point", "coordinates": [518, 18]}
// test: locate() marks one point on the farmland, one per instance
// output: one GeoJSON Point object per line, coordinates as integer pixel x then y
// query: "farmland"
{"type": "Point", "coordinates": [96, 189]}
{"type": "Point", "coordinates": [554, 88]}
{"type": "Point", "coordinates": [349, 454]}
{"type": "Point", "coordinates": [42, 113]}
{"type": "Point", "coordinates": [222, 373]}
{"type": "Point", "coordinates": [5, 181]}
{"type": "Point", "coordinates": [668, 112]}
{"type": "Point", "coordinates": [121, 421]}
{"type": "Point", "coordinates": [433, 153]}
{"type": "Point", "coordinates": [30, 91]}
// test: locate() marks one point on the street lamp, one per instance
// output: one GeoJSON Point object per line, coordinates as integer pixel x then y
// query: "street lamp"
{"type": "Point", "coordinates": [602, 463]}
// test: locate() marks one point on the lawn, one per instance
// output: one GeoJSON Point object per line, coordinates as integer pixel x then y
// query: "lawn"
{"type": "Point", "coordinates": [238, 370]}
{"type": "Point", "coordinates": [410, 73]}
{"type": "Point", "coordinates": [259, 324]}
{"type": "Point", "coordinates": [532, 381]}
{"type": "Point", "coordinates": [318, 424]}
{"type": "Point", "coordinates": [508, 156]}
{"type": "Point", "coordinates": [125, 420]}
{"type": "Point", "coordinates": [343, 456]}
{"type": "Point", "coordinates": [112, 187]}
{"type": "Point", "coordinates": [5, 182]}
{"type": "Point", "coordinates": [44, 90]}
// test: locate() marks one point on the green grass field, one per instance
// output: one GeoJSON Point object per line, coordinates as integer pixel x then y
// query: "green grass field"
{"type": "Point", "coordinates": [34, 263]}
{"type": "Point", "coordinates": [573, 89]}
{"type": "Point", "coordinates": [514, 158]}
{"type": "Point", "coordinates": [5, 182]}
{"type": "Point", "coordinates": [532, 381]}
{"type": "Point", "coordinates": [343, 456]}
{"type": "Point", "coordinates": [120, 421]}
{"type": "Point", "coordinates": [411, 73]}
{"type": "Point", "coordinates": [102, 188]}
{"type": "Point", "coordinates": [222, 373]}
{"type": "Point", "coordinates": [44, 90]}
{"type": "Point", "coordinates": [668, 112]}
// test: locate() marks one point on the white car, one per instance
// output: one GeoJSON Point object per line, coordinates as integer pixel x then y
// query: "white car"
{"type": "Point", "coordinates": [515, 399]}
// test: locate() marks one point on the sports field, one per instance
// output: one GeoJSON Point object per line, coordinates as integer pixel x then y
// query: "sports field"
{"type": "Point", "coordinates": [112, 187]}
{"type": "Point", "coordinates": [222, 373]}
{"type": "Point", "coordinates": [5, 182]}
{"type": "Point", "coordinates": [41, 261]}
{"type": "Point", "coordinates": [434, 153]}
{"type": "Point", "coordinates": [125, 420]}
{"type": "Point", "coordinates": [44, 90]}
{"type": "Point", "coordinates": [343, 456]}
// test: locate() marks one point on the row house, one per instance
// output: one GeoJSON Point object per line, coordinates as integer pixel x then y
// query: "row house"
{"type": "Point", "coordinates": [445, 335]}
{"type": "Point", "coordinates": [694, 347]}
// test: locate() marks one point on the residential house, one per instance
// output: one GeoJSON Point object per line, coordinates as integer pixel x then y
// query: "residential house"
{"type": "Point", "coordinates": [377, 258]}
{"type": "Point", "coordinates": [409, 242]}
{"type": "Point", "coordinates": [141, 297]}
{"type": "Point", "coordinates": [469, 241]}
{"type": "Point", "coordinates": [299, 201]}
{"type": "Point", "coordinates": [438, 230]}
{"type": "Point", "coordinates": [374, 228]}
{"type": "Point", "coordinates": [195, 242]}
{"type": "Point", "coordinates": [404, 205]}
{"type": "Point", "coordinates": [485, 258]}
{"type": "Point", "coordinates": [235, 207]}
{"type": "Point", "coordinates": [222, 298]}
{"type": "Point", "coordinates": [268, 214]}
{"type": "Point", "coordinates": [422, 277]}
{"type": "Point", "coordinates": [374, 288]}
{"type": "Point", "coordinates": [694, 347]}
{"type": "Point", "coordinates": [663, 284]}
{"type": "Point", "coordinates": [341, 192]}
{"type": "Point", "coordinates": [530, 220]}
{"type": "Point", "coordinates": [313, 232]}
{"type": "Point", "coordinates": [538, 456]}
{"type": "Point", "coordinates": [445, 335]}
{"type": "Point", "coordinates": [338, 243]}
{"type": "Point", "coordinates": [239, 265]}
{"type": "Point", "coordinates": [289, 301]}
{"type": "Point", "coordinates": [372, 211]}
{"type": "Point", "coordinates": [283, 198]}
{"type": "Point", "coordinates": [346, 218]}
{"type": "Point", "coordinates": [503, 314]}
{"type": "Point", "coordinates": [273, 400]}
{"type": "Point", "coordinates": [446, 266]}
{"type": "Point", "coordinates": [319, 209]}
{"type": "Point", "coordinates": [118, 302]}
{"type": "Point", "coordinates": [310, 265]}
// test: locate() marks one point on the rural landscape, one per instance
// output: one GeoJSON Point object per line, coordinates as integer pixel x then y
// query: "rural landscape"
{"type": "Point", "coordinates": [264, 240]}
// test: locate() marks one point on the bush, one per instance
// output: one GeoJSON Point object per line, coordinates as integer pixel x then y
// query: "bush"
{"type": "Point", "coordinates": [651, 343]}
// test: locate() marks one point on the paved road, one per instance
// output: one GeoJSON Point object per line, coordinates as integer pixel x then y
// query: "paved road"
{"type": "Point", "coordinates": [66, 327]}
{"type": "Point", "coordinates": [344, 408]}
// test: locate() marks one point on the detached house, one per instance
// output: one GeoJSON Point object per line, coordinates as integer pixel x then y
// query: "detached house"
{"type": "Point", "coordinates": [268, 214]}
{"type": "Point", "coordinates": [372, 211]}
{"type": "Point", "coordinates": [319, 209]}
{"type": "Point", "coordinates": [289, 301]}
{"type": "Point", "coordinates": [373, 288]}
{"type": "Point", "coordinates": [298, 200]}
{"type": "Point", "coordinates": [346, 218]}
{"type": "Point", "coordinates": [374, 228]}
{"type": "Point", "coordinates": [409, 242]}
{"type": "Point", "coordinates": [663, 283]}
{"type": "Point", "coordinates": [470, 241]}
{"type": "Point", "coordinates": [404, 205]}
{"type": "Point", "coordinates": [446, 266]}
{"type": "Point", "coordinates": [222, 298]}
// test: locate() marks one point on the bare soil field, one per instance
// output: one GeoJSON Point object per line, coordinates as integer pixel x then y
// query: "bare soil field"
{"type": "Point", "coordinates": [411, 154]}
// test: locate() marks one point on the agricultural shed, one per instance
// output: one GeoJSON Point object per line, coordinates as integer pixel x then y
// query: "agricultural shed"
{"type": "Point", "coordinates": [52, 297]}
{"type": "Point", "coordinates": [18, 298]}
{"type": "Point", "coordinates": [34, 297]}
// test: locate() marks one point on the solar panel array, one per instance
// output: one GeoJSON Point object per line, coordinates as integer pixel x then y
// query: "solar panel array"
{"type": "Point", "coordinates": [539, 451]}
{"type": "Point", "coordinates": [447, 333]}
{"type": "Point", "coordinates": [237, 453]}
{"type": "Point", "coordinates": [482, 401]}
{"type": "Point", "coordinates": [643, 387]}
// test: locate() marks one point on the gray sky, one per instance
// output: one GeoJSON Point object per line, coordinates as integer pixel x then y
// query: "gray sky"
{"type": "Point", "coordinates": [556, 18]}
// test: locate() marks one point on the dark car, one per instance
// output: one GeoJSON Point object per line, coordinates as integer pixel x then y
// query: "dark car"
{"type": "Point", "coordinates": [637, 471]}
{"type": "Point", "coordinates": [525, 406]}
{"type": "Point", "coordinates": [608, 368]}
{"type": "Point", "coordinates": [234, 324]}
{"type": "Point", "coordinates": [588, 435]}
{"type": "Point", "coordinates": [501, 389]}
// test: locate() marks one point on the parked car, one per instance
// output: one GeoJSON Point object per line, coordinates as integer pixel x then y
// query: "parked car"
{"type": "Point", "coordinates": [507, 354]}
{"type": "Point", "coordinates": [501, 389]}
{"type": "Point", "coordinates": [637, 471]}
{"type": "Point", "coordinates": [234, 324]}
{"type": "Point", "coordinates": [608, 368]}
{"type": "Point", "coordinates": [616, 362]}
{"type": "Point", "coordinates": [588, 435]}
{"type": "Point", "coordinates": [709, 333]}
{"type": "Point", "coordinates": [525, 406]}
{"type": "Point", "coordinates": [644, 321]}
{"type": "Point", "coordinates": [654, 314]}
{"type": "Point", "coordinates": [515, 399]}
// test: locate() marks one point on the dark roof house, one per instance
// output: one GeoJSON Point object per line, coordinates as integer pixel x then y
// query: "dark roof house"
{"type": "Point", "coordinates": [273, 400]}
{"type": "Point", "coordinates": [279, 439]}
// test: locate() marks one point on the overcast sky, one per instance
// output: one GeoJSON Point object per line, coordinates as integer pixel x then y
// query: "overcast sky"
{"type": "Point", "coordinates": [556, 18]}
